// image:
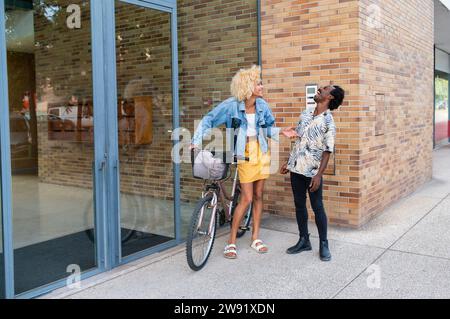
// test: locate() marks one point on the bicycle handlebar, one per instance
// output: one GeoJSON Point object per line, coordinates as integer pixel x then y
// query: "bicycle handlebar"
{"type": "Point", "coordinates": [241, 158]}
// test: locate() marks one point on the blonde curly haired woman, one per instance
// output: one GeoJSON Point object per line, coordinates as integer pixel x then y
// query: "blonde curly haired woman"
{"type": "Point", "coordinates": [255, 122]}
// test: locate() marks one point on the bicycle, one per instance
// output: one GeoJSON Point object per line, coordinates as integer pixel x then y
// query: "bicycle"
{"type": "Point", "coordinates": [204, 219]}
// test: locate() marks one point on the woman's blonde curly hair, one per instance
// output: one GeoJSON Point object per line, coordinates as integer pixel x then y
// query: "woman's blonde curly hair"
{"type": "Point", "coordinates": [243, 82]}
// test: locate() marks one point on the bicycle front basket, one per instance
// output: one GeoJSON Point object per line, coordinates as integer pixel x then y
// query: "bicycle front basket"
{"type": "Point", "coordinates": [209, 167]}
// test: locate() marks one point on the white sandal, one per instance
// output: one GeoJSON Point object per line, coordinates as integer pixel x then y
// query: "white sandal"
{"type": "Point", "coordinates": [231, 248]}
{"type": "Point", "coordinates": [259, 248]}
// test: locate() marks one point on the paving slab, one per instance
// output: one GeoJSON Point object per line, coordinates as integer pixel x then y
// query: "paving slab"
{"type": "Point", "coordinates": [431, 236]}
{"type": "Point", "coordinates": [406, 246]}
{"type": "Point", "coordinates": [382, 231]}
{"type": "Point", "coordinates": [438, 187]}
{"type": "Point", "coordinates": [402, 276]}
{"type": "Point", "coordinates": [267, 276]}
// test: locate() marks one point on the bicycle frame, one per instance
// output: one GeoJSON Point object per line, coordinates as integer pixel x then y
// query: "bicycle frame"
{"type": "Point", "coordinates": [233, 191]}
{"type": "Point", "coordinates": [219, 192]}
{"type": "Point", "coordinates": [213, 216]}
{"type": "Point", "coordinates": [223, 195]}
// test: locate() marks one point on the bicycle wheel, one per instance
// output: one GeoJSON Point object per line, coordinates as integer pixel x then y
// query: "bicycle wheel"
{"type": "Point", "coordinates": [201, 238]}
{"type": "Point", "coordinates": [129, 210]}
{"type": "Point", "coordinates": [89, 220]}
{"type": "Point", "coordinates": [245, 223]}
{"type": "Point", "coordinates": [128, 219]}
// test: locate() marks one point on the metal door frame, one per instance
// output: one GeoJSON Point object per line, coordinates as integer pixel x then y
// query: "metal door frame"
{"type": "Point", "coordinates": [113, 195]}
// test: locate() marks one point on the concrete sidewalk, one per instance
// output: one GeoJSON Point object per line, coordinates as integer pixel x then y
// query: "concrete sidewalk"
{"type": "Point", "coordinates": [403, 253]}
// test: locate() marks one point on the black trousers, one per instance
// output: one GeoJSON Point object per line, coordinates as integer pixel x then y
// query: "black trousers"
{"type": "Point", "coordinates": [300, 186]}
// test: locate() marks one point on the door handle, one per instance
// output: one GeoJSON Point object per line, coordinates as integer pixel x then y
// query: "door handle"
{"type": "Point", "coordinates": [103, 162]}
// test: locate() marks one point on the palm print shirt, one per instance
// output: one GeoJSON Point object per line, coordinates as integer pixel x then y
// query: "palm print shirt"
{"type": "Point", "coordinates": [317, 134]}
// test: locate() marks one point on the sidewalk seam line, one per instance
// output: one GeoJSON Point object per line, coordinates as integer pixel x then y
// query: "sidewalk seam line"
{"type": "Point", "coordinates": [387, 249]}
{"type": "Point", "coordinates": [419, 254]}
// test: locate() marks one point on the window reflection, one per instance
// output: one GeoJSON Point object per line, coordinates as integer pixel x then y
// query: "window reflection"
{"type": "Point", "coordinates": [214, 45]}
{"type": "Point", "coordinates": [51, 121]}
{"type": "Point", "coordinates": [442, 117]}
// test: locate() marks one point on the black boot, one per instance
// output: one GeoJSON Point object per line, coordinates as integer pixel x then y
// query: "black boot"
{"type": "Point", "coordinates": [303, 245]}
{"type": "Point", "coordinates": [325, 254]}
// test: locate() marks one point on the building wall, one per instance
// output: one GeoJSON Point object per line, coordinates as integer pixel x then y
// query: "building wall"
{"type": "Point", "coordinates": [21, 78]}
{"type": "Point", "coordinates": [396, 85]}
{"type": "Point", "coordinates": [216, 39]}
{"type": "Point", "coordinates": [63, 66]}
{"type": "Point", "coordinates": [144, 68]}
{"type": "Point", "coordinates": [382, 149]}
{"type": "Point", "coordinates": [307, 42]}
{"type": "Point", "coordinates": [385, 64]}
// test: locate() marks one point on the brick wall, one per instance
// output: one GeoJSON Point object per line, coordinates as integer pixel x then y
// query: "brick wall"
{"type": "Point", "coordinates": [63, 66]}
{"type": "Point", "coordinates": [396, 78]}
{"type": "Point", "coordinates": [144, 69]}
{"type": "Point", "coordinates": [20, 78]}
{"type": "Point", "coordinates": [384, 129]}
{"type": "Point", "coordinates": [307, 42]}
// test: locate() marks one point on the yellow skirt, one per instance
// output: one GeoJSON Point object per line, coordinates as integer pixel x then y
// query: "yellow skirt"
{"type": "Point", "coordinates": [258, 168]}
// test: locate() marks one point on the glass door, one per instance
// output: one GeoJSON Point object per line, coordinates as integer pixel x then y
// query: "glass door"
{"type": "Point", "coordinates": [441, 112]}
{"type": "Point", "coordinates": [63, 214]}
{"type": "Point", "coordinates": [144, 126]}
{"type": "Point", "coordinates": [51, 120]}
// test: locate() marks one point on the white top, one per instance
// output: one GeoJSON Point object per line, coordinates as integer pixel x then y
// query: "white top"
{"type": "Point", "coordinates": [251, 130]}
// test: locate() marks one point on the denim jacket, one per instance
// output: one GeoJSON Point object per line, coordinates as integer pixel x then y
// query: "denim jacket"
{"type": "Point", "coordinates": [231, 112]}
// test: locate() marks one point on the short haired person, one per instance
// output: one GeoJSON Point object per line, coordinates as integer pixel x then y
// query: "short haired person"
{"type": "Point", "coordinates": [307, 163]}
{"type": "Point", "coordinates": [255, 124]}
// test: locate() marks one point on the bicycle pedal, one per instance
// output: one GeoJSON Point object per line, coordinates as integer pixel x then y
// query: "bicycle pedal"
{"type": "Point", "coordinates": [222, 217]}
{"type": "Point", "coordinates": [245, 228]}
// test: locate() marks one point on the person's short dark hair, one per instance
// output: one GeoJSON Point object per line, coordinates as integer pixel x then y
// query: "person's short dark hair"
{"type": "Point", "coordinates": [339, 95]}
